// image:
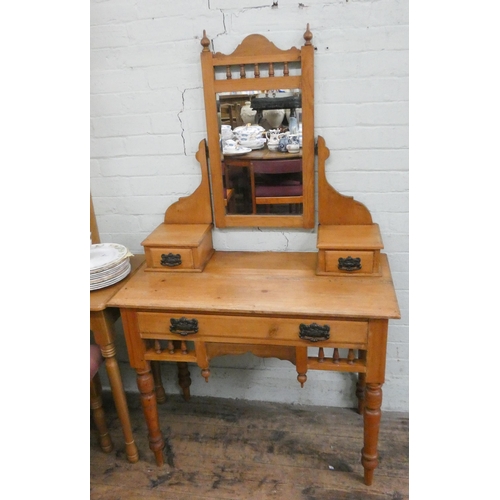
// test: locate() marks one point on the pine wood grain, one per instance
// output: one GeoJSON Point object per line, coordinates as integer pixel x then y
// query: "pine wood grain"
{"type": "Point", "coordinates": [230, 449]}
{"type": "Point", "coordinates": [267, 283]}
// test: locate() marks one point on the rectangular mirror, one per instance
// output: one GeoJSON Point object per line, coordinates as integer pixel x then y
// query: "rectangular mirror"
{"type": "Point", "coordinates": [259, 113]}
{"type": "Point", "coordinates": [261, 146]}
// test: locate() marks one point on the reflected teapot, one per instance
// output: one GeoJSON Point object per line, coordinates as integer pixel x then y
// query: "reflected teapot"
{"type": "Point", "coordinates": [248, 133]}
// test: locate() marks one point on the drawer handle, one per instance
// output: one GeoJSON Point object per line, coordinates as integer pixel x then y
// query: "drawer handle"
{"type": "Point", "coordinates": [171, 259]}
{"type": "Point", "coordinates": [350, 264]}
{"type": "Point", "coordinates": [314, 332]}
{"type": "Point", "coordinates": [183, 326]}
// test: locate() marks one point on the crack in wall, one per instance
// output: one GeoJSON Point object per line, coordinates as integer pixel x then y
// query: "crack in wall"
{"type": "Point", "coordinates": [221, 33]}
{"type": "Point", "coordinates": [273, 6]}
{"type": "Point", "coordinates": [180, 121]}
{"type": "Point", "coordinates": [179, 117]}
{"type": "Point", "coordinates": [287, 241]}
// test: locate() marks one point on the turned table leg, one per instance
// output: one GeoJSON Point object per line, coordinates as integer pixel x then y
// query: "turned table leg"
{"type": "Point", "coordinates": [360, 392]}
{"type": "Point", "coordinates": [98, 414]}
{"type": "Point", "coordinates": [146, 386]}
{"type": "Point", "coordinates": [184, 379]}
{"type": "Point", "coordinates": [361, 385]}
{"type": "Point", "coordinates": [115, 381]}
{"type": "Point", "coordinates": [161, 396]}
{"type": "Point", "coordinates": [371, 418]}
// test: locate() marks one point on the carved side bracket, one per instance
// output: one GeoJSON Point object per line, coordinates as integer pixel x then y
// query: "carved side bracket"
{"type": "Point", "coordinates": [333, 207]}
{"type": "Point", "coordinates": [195, 208]}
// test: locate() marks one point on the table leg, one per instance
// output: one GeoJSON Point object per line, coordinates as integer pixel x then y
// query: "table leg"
{"type": "Point", "coordinates": [371, 418]}
{"type": "Point", "coordinates": [360, 392]}
{"type": "Point", "coordinates": [146, 386]}
{"type": "Point", "coordinates": [98, 414]}
{"type": "Point", "coordinates": [184, 380]}
{"type": "Point", "coordinates": [115, 381]}
{"type": "Point", "coordinates": [361, 384]}
{"type": "Point", "coordinates": [161, 396]}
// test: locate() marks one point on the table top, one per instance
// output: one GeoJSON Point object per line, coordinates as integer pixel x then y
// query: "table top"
{"type": "Point", "coordinates": [99, 298]}
{"type": "Point", "coordinates": [262, 283]}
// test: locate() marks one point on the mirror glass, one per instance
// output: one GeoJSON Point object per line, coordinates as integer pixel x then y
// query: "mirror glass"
{"type": "Point", "coordinates": [261, 151]}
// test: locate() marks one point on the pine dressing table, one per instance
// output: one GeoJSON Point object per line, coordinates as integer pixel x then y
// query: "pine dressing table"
{"type": "Point", "coordinates": [189, 303]}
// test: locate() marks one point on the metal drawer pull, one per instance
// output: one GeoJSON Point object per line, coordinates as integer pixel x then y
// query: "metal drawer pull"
{"type": "Point", "coordinates": [350, 264]}
{"type": "Point", "coordinates": [314, 332]}
{"type": "Point", "coordinates": [183, 326]}
{"type": "Point", "coordinates": [171, 260]}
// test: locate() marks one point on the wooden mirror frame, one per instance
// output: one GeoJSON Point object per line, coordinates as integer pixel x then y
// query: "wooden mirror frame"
{"type": "Point", "coordinates": [256, 51]}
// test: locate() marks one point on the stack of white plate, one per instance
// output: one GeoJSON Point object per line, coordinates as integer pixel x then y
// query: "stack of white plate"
{"type": "Point", "coordinates": [109, 264]}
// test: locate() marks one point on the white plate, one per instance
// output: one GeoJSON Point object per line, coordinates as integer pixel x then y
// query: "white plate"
{"type": "Point", "coordinates": [105, 255]}
{"type": "Point", "coordinates": [111, 273]}
{"type": "Point", "coordinates": [252, 145]}
{"type": "Point", "coordinates": [109, 282]}
{"type": "Point", "coordinates": [120, 265]}
{"type": "Point", "coordinates": [237, 151]}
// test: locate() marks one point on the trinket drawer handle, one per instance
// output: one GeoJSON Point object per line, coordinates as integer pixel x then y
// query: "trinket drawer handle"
{"type": "Point", "coordinates": [183, 326]}
{"type": "Point", "coordinates": [171, 259]}
{"type": "Point", "coordinates": [314, 332]}
{"type": "Point", "coordinates": [350, 264]}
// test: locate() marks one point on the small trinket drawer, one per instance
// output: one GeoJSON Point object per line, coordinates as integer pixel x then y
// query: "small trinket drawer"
{"type": "Point", "coordinates": [178, 247]}
{"type": "Point", "coordinates": [349, 250]}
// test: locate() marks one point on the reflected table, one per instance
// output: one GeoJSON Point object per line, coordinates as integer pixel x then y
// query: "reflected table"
{"type": "Point", "coordinates": [239, 177]}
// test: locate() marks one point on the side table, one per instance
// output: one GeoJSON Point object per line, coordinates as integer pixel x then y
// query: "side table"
{"type": "Point", "coordinates": [102, 319]}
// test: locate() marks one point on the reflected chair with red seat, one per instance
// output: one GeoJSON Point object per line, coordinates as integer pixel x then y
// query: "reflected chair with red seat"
{"type": "Point", "coordinates": [277, 182]}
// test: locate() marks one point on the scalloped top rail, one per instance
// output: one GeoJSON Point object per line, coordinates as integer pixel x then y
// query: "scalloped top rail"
{"type": "Point", "coordinates": [264, 55]}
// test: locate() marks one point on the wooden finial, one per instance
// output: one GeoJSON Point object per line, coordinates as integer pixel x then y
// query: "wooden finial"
{"type": "Point", "coordinates": [308, 35]}
{"type": "Point", "coordinates": [205, 41]}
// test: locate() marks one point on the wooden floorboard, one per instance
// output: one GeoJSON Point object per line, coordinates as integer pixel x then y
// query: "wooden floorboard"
{"type": "Point", "coordinates": [220, 449]}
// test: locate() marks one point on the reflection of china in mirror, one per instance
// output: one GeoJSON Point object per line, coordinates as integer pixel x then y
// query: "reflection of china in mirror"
{"type": "Point", "coordinates": [261, 141]}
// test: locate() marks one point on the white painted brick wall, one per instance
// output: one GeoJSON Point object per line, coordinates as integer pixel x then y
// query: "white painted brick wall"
{"type": "Point", "coordinates": [147, 119]}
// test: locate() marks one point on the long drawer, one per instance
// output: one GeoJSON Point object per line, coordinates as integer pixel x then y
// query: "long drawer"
{"type": "Point", "coordinates": [264, 330]}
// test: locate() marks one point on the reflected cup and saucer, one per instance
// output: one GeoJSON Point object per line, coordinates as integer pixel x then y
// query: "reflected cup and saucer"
{"type": "Point", "coordinates": [232, 148]}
